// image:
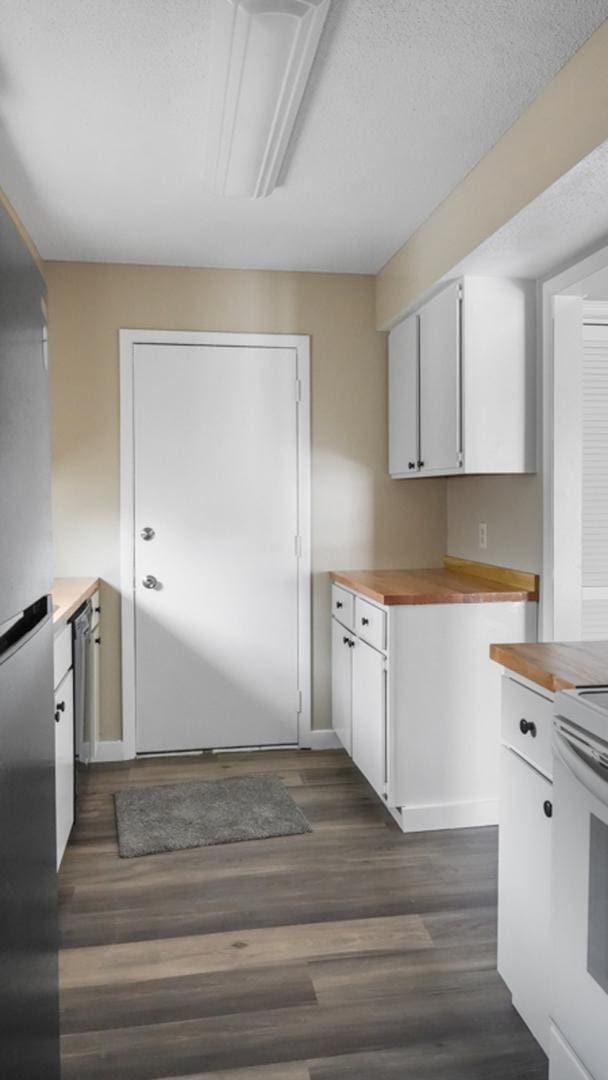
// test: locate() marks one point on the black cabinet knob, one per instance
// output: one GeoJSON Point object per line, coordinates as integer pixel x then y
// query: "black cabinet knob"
{"type": "Point", "coordinates": [421, 464]}
{"type": "Point", "coordinates": [527, 727]}
{"type": "Point", "coordinates": [411, 464]}
{"type": "Point", "coordinates": [345, 641]}
{"type": "Point", "coordinates": [61, 706]}
{"type": "Point", "coordinates": [364, 621]}
{"type": "Point", "coordinates": [339, 604]}
{"type": "Point", "coordinates": [351, 643]}
{"type": "Point", "coordinates": [97, 640]}
{"type": "Point", "coordinates": [548, 808]}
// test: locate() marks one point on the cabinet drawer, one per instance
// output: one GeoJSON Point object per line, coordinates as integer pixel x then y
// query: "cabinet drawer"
{"type": "Point", "coordinates": [62, 653]}
{"type": "Point", "coordinates": [370, 623]}
{"type": "Point", "coordinates": [342, 605]}
{"type": "Point", "coordinates": [527, 723]}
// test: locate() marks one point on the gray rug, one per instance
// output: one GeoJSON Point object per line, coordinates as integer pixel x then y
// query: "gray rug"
{"type": "Point", "coordinates": [171, 817]}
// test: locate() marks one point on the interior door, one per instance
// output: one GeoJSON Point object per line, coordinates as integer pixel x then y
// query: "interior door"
{"type": "Point", "coordinates": [440, 434]}
{"type": "Point", "coordinates": [216, 571]}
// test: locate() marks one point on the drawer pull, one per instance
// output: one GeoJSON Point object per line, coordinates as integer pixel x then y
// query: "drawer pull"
{"type": "Point", "coordinates": [527, 727]}
{"type": "Point", "coordinates": [339, 604]}
{"type": "Point", "coordinates": [548, 808]}
{"type": "Point", "coordinates": [364, 621]}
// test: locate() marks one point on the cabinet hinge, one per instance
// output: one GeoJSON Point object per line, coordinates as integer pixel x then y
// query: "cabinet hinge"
{"type": "Point", "coordinates": [299, 701]}
{"type": "Point", "coordinates": [298, 546]}
{"type": "Point", "coordinates": [298, 389]}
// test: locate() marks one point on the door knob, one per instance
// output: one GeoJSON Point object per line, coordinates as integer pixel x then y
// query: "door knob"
{"type": "Point", "coordinates": [150, 582]}
{"type": "Point", "coordinates": [527, 727]}
{"type": "Point", "coordinates": [147, 533]}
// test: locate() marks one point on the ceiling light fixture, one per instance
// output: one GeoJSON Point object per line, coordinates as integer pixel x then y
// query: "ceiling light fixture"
{"type": "Point", "coordinates": [261, 53]}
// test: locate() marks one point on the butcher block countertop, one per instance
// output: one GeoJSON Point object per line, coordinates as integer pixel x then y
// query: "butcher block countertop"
{"type": "Point", "coordinates": [68, 594]}
{"type": "Point", "coordinates": [459, 582]}
{"type": "Point", "coordinates": [562, 665]}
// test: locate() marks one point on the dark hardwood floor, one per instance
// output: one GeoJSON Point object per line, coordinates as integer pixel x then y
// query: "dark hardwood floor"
{"type": "Point", "coordinates": [351, 953]}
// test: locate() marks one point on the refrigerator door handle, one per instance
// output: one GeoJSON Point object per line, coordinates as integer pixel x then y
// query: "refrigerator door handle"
{"type": "Point", "coordinates": [23, 629]}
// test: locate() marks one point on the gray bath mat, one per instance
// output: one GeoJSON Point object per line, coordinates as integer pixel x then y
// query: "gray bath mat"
{"type": "Point", "coordinates": [171, 817]}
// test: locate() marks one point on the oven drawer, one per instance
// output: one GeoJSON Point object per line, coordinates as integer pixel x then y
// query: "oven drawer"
{"type": "Point", "coordinates": [527, 724]}
{"type": "Point", "coordinates": [343, 606]}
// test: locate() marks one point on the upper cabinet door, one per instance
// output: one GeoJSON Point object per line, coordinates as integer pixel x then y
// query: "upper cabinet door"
{"type": "Point", "coordinates": [440, 382]}
{"type": "Point", "coordinates": [403, 449]}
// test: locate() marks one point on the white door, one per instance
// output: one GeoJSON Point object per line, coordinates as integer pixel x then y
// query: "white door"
{"type": "Point", "coordinates": [369, 714]}
{"type": "Point", "coordinates": [216, 493]}
{"type": "Point", "coordinates": [440, 435]}
{"type": "Point", "coordinates": [64, 762]}
{"type": "Point", "coordinates": [342, 645]}
{"type": "Point", "coordinates": [403, 445]}
{"type": "Point", "coordinates": [524, 936]}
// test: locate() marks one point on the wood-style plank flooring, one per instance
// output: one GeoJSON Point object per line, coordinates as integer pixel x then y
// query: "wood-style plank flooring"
{"type": "Point", "coordinates": [351, 953]}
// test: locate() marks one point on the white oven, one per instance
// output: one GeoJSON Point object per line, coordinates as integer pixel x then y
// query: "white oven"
{"type": "Point", "coordinates": [580, 883]}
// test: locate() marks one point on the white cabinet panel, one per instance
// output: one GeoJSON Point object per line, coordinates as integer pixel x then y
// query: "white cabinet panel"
{"type": "Point", "coordinates": [62, 652]}
{"type": "Point", "coordinates": [527, 724]}
{"type": "Point", "coordinates": [343, 605]}
{"type": "Point", "coordinates": [64, 762]}
{"type": "Point", "coordinates": [341, 683]}
{"type": "Point", "coordinates": [370, 623]}
{"type": "Point", "coordinates": [403, 449]}
{"type": "Point", "coordinates": [369, 714]}
{"type": "Point", "coordinates": [440, 441]}
{"type": "Point", "coordinates": [564, 1064]}
{"type": "Point", "coordinates": [524, 940]}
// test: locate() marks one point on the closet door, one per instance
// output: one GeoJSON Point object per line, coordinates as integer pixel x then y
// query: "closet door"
{"type": "Point", "coordinates": [440, 380]}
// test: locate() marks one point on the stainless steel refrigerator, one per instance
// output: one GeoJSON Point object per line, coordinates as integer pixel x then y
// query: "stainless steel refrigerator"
{"type": "Point", "coordinates": [29, 1023]}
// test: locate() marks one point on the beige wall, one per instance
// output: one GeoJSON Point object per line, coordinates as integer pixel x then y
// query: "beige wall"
{"type": "Point", "coordinates": [563, 124]}
{"type": "Point", "coordinates": [360, 517]}
{"type": "Point", "coordinates": [511, 506]}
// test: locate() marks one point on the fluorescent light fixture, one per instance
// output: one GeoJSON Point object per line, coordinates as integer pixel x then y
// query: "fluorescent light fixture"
{"type": "Point", "coordinates": [261, 53]}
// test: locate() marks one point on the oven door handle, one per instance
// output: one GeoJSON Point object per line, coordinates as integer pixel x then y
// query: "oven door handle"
{"type": "Point", "coordinates": [578, 766]}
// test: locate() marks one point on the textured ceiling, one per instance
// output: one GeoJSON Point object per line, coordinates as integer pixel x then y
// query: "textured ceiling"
{"type": "Point", "coordinates": [103, 112]}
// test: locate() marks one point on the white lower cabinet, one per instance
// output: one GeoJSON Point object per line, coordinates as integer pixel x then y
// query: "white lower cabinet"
{"type": "Point", "coordinates": [64, 762]}
{"type": "Point", "coordinates": [369, 714]}
{"type": "Point", "coordinates": [524, 936]}
{"type": "Point", "coordinates": [416, 702]}
{"type": "Point", "coordinates": [564, 1063]}
{"type": "Point", "coordinates": [342, 644]}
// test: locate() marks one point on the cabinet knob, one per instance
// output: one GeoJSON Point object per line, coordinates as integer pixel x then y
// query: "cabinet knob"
{"type": "Point", "coordinates": [147, 533]}
{"type": "Point", "coordinates": [364, 621]}
{"type": "Point", "coordinates": [548, 808]}
{"type": "Point", "coordinates": [421, 464]}
{"type": "Point", "coordinates": [150, 582]}
{"type": "Point", "coordinates": [411, 464]}
{"type": "Point", "coordinates": [339, 604]}
{"type": "Point", "coordinates": [527, 727]}
{"type": "Point", "coordinates": [345, 641]}
{"type": "Point", "coordinates": [61, 706]}
{"type": "Point", "coordinates": [351, 643]}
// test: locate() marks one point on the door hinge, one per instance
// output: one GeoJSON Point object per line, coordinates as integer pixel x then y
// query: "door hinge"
{"type": "Point", "coordinates": [298, 546]}
{"type": "Point", "coordinates": [299, 701]}
{"type": "Point", "coordinates": [298, 389]}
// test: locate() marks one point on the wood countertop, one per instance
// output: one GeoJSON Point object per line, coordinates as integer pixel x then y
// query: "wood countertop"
{"type": "Point", "coordinates": [68, 594]}
{"type": "Point", "coordinates": [556, 665]}
{"type": "Point", "coordinates": [441, 586]}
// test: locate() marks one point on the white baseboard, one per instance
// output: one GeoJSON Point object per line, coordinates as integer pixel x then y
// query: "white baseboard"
{"type": "Point", "coordinates": [109, 750]}
{"type": "Point", "coordinates": [324, 739]}
{"type": "Point", "coordinates": [467, 815]}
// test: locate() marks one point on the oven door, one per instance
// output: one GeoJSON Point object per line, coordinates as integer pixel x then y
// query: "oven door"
{"type": "Point", "coordinates": [580, 903]}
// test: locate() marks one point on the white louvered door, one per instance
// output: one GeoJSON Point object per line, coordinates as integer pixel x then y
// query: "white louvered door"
{"type": "Point", "coordinates": [594, 502]}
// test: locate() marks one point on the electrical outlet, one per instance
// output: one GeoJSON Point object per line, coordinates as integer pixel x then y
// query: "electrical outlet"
{"type": "Point", "coordinates": [483, 534]}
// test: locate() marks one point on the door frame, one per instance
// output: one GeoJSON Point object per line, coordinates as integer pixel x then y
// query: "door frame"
{"type": "Point", "coordinates": [555, 566]}
{"type": "Point", "coordinates": [128, 339]}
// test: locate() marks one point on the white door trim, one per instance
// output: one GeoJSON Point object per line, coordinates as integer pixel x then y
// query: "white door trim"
{"type": "Point", "coordinates": [127, 341]}
{"type": "Point", "coordinates": [567, 282]}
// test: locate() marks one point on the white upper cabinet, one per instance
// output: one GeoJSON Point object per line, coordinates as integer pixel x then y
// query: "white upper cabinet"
{"type": "Point", "coordinates": [440, 429]}
{"type": "Point", "coordinates": [462, 382]}
{"type": "Point", "coordinates": [403, 447]}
